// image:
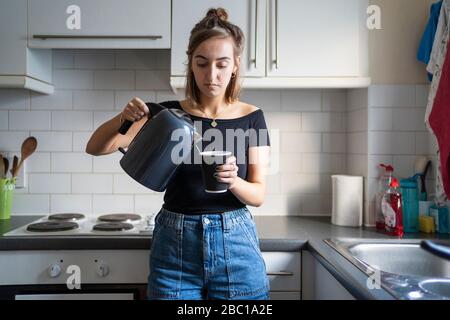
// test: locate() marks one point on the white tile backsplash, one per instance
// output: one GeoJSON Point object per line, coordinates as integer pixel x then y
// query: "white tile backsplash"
{"type": "Point", "coordinates": [315, 133]}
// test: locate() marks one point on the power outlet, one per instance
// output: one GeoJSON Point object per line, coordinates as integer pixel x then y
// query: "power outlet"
{"type": "Point", "coordinates": [21, 179]}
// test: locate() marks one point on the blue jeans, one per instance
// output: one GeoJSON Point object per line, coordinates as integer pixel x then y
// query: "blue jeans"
{"type": "Point", "coordinates": [209, 256]}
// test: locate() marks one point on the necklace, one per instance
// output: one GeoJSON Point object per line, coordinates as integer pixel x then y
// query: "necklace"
{"type": "Point", "coordinates": [213, 122]}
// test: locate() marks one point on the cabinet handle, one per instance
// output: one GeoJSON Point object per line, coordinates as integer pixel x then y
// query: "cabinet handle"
{"type": "Point", "coordinates": [275, 61]}
{"type": "Point", "coordinates": [280, 273]}
{"type": "Point", "coordinates": [56, 36]}
{"type": "Point", "coordinates": [256, 32]}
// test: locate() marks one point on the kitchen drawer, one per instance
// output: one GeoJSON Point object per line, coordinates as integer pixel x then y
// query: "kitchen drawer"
{"type": "Point", "coordinates": [283, 269]}
{"type": "Point", "coordinates": [99, 24]}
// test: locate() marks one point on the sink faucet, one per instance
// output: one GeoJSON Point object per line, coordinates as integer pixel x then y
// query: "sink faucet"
{"type": "Point", "coordinates": [437, 249]}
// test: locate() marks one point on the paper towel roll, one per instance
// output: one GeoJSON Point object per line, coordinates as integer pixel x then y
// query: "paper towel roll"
{"type": "Point", "coordinates": [347, 200]}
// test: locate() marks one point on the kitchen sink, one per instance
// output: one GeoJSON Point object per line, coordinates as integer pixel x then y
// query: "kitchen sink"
{"type": "Point", "coordinates": [403, 268]}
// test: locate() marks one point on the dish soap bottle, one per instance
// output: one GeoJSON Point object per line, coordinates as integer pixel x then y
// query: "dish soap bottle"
{"type": "Point", "coordinates": [383, 186]}
{"type": "Point", "coordinates": [391, 206]}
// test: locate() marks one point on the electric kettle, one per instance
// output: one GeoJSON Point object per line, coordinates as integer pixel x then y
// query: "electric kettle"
{"type": "Point", "coordinates": [149, 158]}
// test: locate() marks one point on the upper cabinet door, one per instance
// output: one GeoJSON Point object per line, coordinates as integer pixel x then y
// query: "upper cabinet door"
{"type": "Point", "coordinates": [99, 24]}
{"type": "Point", "coordinates": [249, 15]}
{"type": "Point", "coordinates": [320, 38]}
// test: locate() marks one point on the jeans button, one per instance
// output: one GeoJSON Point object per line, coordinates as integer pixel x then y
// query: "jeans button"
{"type": "Point", "coordinates": [206, 220]}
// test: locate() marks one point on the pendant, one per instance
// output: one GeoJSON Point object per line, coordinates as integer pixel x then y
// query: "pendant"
{"type": "Point", "coordinates": [214, 123]}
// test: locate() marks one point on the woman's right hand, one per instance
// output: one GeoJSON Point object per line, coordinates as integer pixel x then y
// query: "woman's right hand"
{"type": "Point", "coordinates": [135, 110]}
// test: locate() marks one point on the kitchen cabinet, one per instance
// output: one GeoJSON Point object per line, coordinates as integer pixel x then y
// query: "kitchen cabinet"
{"type": "Point", "coordinates": [100, 24]}
{"type": "Point", "coordinates": [21, 67]}
{"type": "Point", "coordinates": [319, 283]}
{"type": "Point", "coordinates": [289, 43]}
{"type": "Point", "coordinates": [249, 15]}
{"type": "Point", "coordinates": [284, 272]}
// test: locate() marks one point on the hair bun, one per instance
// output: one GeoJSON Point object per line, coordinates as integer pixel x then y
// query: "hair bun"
{"type": "Point", "coordinates": [220, 13]}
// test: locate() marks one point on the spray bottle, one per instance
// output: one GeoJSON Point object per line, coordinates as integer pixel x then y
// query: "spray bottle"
{"type": "Point", "coordinates": [383, 186]}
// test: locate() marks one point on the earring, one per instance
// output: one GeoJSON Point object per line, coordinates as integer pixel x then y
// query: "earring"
{"type": "Point", "coordinates": [233, 75]}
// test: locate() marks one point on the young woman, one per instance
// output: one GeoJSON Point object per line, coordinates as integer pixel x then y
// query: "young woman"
{"type": "Point", "coordinates": [205, 245]}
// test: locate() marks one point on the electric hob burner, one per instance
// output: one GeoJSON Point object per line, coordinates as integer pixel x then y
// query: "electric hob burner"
{"type": "Point", "coordinates": [113, 226]}
{"type": "Point", "coordinates": [52, 226]}
{"type": "Point", "coordinates": [120, 217]}
{"type": "Point", "coordinates": [66, 216]}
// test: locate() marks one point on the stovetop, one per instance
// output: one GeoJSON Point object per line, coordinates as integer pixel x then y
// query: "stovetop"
{"type": "Point", "coordinates": [78, 224]}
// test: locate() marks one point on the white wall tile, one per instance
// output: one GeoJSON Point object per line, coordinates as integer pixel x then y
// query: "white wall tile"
{"type": "Point", "coordinates": [404, 166]}
{"type": "Point", "coordinates": [395, 143]}
{"type": "Point", "coordinates": [71, 121]}
{"type": "Point", "coordinates": [357, 99]}
{"type": "Point", "coordinates": [165, 95]}
{"type": "Point", "coordinates": [30, 204]}
{"type": "Point", "coordinates": [357, 143]}
{"type": "Point", "coordinates": [422, 91]}
{"type": "Point", "coordinates": [122, 97]}
{"type": "Point", "coordinates": [136, 59]}
{"type": "Point", "coordinates": [290, 162]}
{"type": "Point", "coordinates": [63, 59]}
{"type": "Point", "coordinates": [381, 119]}
{"type": "Point", "coordinates": [357, 120]}
{"type": "Point", "coordinates": [148, 204]}
{"type": "Point", "coordinates": [71, 203]}
{"type": "Point", "coordinates": [4, 120]}
{"type": "Point", "coordinates": [268, 100]}
{"type": "Point", "coordinates": [322, 122]}
{"type": "Point", "coordinates": [392, 96]}
{"type": "Point", "coordinates": [123, 184]}
{"type": "Point", "coordinates": [104, 204]}
{"type": "Point", "coordinates": [93, 100]}
{"type": "Point", "coordinates": [300, 184]}
{"type": "Point", "coordinates": [409, 119]}
{"type": "Point", "coordinates": [114, 79]}
{"type": "Point", "coordinates": [426, 143]}
{"type": "Point", "coordinates": [12, 141]}
{"type": "Point", "coordinates": [300, 142]}
{"type": "Point", "coordinates": [334, 100]}
{"type": "Point", "coordinates": [301, 100]}
{"type": "Point", "coordinates": [356, 164]}
{"type": "Point", "coordinates": [284, 121]}
{"type": "Point", "coordinates": [102, 117]}
{"type": "Point", "coordinates": [334, 142]}
{"type": "Point", "coordinates": [325, 184]}
{"type": "Point", "coordinates": [273, 184]}
{"type": "Point", "coordinates": [323, 163]}
{"type": "Point", "coordinates": [49, 183]}
{"type": "Point", "coordinates": [73, 79]}
{"type": "Point", "coordinates": [71, 162]}
{"type": "Point", "coordinates": [162, 59]}
{"type": "Point", "coordinates": [38, 162]}
{"type": "Point", "coordinates": [59, 100]}
{"type": "Point", "coordinates": [316, 204]}
{"type": "Point", "coordinates": [14, 99]}
{"type": "Point", "coordinates": [80, 140]}
{"type": "Point", "coordinates": [108, 163]}
{"type": "Point", "coordinates": [98, 60]}
{"type": "Point", "coordinates": [29, 120]}
{"type": "Point", "coordinates": [152, 80]}
{"type": "Point", "coordinates": [53, 141]}
{"type": "Point", "coordinates": [92, 183]}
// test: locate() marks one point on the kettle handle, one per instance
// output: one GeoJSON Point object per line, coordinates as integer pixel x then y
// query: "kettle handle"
{"type": "Point", "coordinates": [125, 126]}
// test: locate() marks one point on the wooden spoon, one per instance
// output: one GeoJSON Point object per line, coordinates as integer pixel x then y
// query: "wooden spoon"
{"type": "Point", "coordinates": [6, 166]}
{"type": "Point", "coordinates": [2, 167]}
{"type": "Point", "coordinates": [14, 166]}
{"type": "Point", "coordinates": [28, 147]}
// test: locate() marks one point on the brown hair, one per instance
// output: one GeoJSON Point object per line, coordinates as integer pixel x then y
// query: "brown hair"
{"type": "Point", "coordinates": [214, 24]}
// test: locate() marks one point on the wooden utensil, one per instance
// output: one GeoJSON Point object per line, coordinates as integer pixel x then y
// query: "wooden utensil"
{"type": "Point", "coordinates": [28, 147]}
{"type": "Point", "coordinates": [2, 167]}
{"type": "Point", "coordinates": [6, 166]}
{"type": "Point", "coordinates": [14, 166]}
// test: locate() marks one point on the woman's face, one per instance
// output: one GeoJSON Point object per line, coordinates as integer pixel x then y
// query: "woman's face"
{"type": "Point", "coordinates": [213, 64]}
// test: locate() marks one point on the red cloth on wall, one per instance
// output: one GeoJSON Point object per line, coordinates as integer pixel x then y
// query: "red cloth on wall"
{"type": "Point", "coordinates": [439, 121]}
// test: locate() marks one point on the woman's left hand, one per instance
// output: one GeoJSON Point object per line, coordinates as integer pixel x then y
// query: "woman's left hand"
{"type": "Point", "coordinates": [227, 172]}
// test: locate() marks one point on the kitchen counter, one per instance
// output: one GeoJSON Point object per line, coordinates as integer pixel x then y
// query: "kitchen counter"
{"type": "Point", "coordinates": [276, 233]}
